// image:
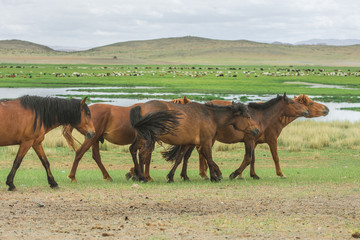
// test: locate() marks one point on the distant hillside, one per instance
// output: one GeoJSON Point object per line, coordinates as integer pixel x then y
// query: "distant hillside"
{"type": "Point", "coordinates": [186, 50]}
{"type": "Point", "coordinates": [22, 47]}
{"type": "Point", "coordinates": [331, 42]}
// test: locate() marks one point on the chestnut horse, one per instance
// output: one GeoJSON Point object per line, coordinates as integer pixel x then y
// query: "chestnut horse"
{"type": "Point", "coordinates": [26, 120]}
{"type": "Point", "coordinates": [272, 132]}
{"type": "Point", "coordinates": [264, 114]}
{"type": "Point", "coordinates": [111, 123]}
{"type": "Point", "coordinates": [184, 126]}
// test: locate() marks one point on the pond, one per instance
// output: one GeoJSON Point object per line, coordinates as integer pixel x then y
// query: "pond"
{"type": "Point", "coordinates": [335, 113]}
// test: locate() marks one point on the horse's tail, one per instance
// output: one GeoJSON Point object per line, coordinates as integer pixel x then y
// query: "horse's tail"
{"type": "Point", "coordinates": [171, 154]}
{"type": "Point", "coordinates": [153, 125]}
{"type": "Point", "coordinates": [67, 133]}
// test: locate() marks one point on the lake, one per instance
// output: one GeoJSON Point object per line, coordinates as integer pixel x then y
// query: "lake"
{"type": "Point", "coordinates": [335, 113]}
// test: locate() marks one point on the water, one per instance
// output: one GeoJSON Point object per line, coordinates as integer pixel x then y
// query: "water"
{"type": "Point", "coordinates": [335, 113]}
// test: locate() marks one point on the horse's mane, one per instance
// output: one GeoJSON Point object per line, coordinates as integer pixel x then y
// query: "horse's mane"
{"type": "Point", "coordinates": [54, 110]}
{"type": "Point", "coordinates": [235, 107]}
{"type": "Point", "coordinates": [265, 105]}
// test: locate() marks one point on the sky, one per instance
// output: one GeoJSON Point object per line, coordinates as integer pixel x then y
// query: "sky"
{"type": "Point", "coordinates": [92, 23]}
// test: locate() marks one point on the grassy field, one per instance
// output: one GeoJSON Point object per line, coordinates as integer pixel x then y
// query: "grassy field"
{"type": "Point", "coordinates": [319, 198]}
{"type": "Point", "coordinates": [210, 82]}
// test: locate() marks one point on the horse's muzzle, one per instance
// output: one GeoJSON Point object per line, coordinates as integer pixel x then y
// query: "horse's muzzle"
{"type": "Point", "coordinates": [326, 111]}
{"type": "Point", "coordinates": [306, 113]}
{"type": "Point", "coordinates": [255, 132]}
{"type": "Point", "coordinates": [90, 135]}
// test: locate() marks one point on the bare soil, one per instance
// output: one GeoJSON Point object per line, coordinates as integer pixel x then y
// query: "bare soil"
{"type": "Point", "coordinates": [198, 212]}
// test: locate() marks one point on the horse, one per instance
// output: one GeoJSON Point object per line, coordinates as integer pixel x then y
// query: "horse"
{"type": "Point", "coordinates": [26, 120]}
{"type": "Point", "coordinates": [272, 132]}
{"type": "Point", "coordinates": [185, 126]}
{"type": "Point", "coordinates": [264, 114]}
{"type": "Point", "coordinates": [112, 123]}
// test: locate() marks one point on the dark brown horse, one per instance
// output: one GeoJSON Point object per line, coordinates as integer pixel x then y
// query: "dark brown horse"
{"type": "Point", "coordinates": [26, 120]}
{"type": "Point", "coordinates": [272, 132]}
{"type": "Point", "coordinates": [264, 114]}
{"type": "Point", "coordinates": [185, 126]}
{"type": "Point", "coordinates": [112, 123]}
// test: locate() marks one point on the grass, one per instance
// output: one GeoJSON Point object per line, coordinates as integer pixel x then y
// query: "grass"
{"type": "Point", "coordinates": [334, 159]}
{"type": "Point", "coordinates": [208, 81]}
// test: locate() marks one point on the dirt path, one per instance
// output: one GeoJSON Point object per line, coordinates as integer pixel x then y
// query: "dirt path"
{"type": "Point", "coordinates": [261, 212]}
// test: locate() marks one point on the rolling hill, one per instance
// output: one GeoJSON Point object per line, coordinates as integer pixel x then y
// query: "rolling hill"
{"type": "Point", "coordinates": [186, 50]}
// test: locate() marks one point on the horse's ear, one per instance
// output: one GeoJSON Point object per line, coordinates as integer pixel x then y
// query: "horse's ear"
{"type": "Point", "coordinates": [186, 100]}
{"type": "Point", "coordinates": [284, 94]}
{"type": "Point", "coordinates": [83, 101]}
{"type": "Point", "coordinates": [295, 97]}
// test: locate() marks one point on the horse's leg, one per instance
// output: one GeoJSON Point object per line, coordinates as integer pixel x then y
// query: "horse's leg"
{"type": "Point", "coordinates": [96, 156]}
{"type": "Point", "coordinates": [249, 149]}
{"type": "Point", "coordinates": [202, 165]}
{"type": "Point", "coordinates": [145, 152]}
{"type": "Point", "coordinates": [41, 154]}
{"type": "Point", "coordinates": [187, 155]}
{"type": "Point", "coordinates": [133, 151]}
{"type": "Point", "coordinates": [274, 153]}
{"type": "Point", "coordinates": [252, 166]}
{"type": "Point", "coordinates": [147, 168]}
{"type": "Point", "coordinates": [24, 147]}
{"type": "Point", "coordinates": [79, 154]}
{"type": "Point", "coordinates": [213, 167]}
{"type": "Point", "coordinates": [178, 159]}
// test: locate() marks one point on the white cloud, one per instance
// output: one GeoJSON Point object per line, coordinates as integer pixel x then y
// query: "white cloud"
{"type": "Point", "coordinates": [95, 22]}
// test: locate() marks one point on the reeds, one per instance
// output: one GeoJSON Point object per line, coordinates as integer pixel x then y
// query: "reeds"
{"type": "Point", "coordinates": [295, 137]}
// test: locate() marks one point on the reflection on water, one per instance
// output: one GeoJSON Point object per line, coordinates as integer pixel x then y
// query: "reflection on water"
{"type": "Point", "coordinates": [335, 113]}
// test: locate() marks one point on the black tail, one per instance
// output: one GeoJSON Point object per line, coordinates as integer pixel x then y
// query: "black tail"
{"type": "Point", "coordinates": [171, 154]}
{"type": "Point", "coordinates": [153, 125]}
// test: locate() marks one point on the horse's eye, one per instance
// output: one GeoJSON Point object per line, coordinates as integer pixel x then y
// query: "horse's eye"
{"type": "Point", "coordinates": [311, 103]}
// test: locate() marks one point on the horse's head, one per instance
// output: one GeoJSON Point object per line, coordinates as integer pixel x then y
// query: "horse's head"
{"type": "Point", "coordinates": [243, 121]}
{"type": "Point", "coordinates": [294, 108]}
{"type": "Point", "coordinates": [86, 126]}
{"type": "Point", "coordinates": [183, 100]}
{"type": "Point", "coordinates": [315, 109]}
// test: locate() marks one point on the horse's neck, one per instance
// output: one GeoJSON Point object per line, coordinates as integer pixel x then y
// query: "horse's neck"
{"type": "Point", "coordinates": [224, 118]}
{"type": "Point", "coordinates": [286, 120]}
{"type": "Point", "coordinates": [269, 115]}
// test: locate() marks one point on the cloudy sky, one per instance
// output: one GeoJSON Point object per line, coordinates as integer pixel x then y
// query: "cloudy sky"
{"type": "Point", "coordinates": [91, 23]}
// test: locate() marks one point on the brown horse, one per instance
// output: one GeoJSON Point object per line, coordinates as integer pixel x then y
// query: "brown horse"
{"type": "Point", "coordinates": [184, 126]}
{"type": "Point", "coordinates": [111, 123]}
{"type": "Point", "coordinates": [26, 120]}
{"type": "Point", "coordinates": [272, 132]}
{"type": "Point", "coordinates": [264, 114]}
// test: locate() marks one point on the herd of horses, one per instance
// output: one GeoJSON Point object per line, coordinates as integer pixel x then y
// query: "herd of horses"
{"type": "Point", "coordinates": [181, 123]}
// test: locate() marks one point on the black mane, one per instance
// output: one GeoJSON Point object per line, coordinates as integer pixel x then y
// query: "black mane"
{"type": "Point", "coordinates": [54, 110]}
{"type": "Point", "coordinates": [265, 105]}
{"type": "Point", "coordinates": [235, 107]}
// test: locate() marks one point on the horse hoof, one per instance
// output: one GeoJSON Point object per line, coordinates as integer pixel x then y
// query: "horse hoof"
{"type": "Point", "coordinates": [241, 178]}
{"type": "Point", "coordinates": [255, 177]}
{"type": "Point", "coordinates": [73, 179]}
{"type": "Point", "coordinates": [12, 189]}
{"type": "Point", "coordinates": [149, 179]}
{"type": "Point", "coordinates": [220, 177]}
{"type": "Point", "coordinates": [170, 181]}
{"type": "Point", "coordinates": [232, 176]}
{"type": "Point", "coordinates": [215, 179]}
{"type": "Point", "coordinates": [55, 187]}
{"type": "Point", "coordinates": [186, 179]}
{"type": "Point", "coordinates": [283, 177]}
{"type": "Point", "coordinates": [109, 179]}
{"type": "Point", "coordinates": [128, 176]}
{"type": "Point", "coordinates": [135, 178]}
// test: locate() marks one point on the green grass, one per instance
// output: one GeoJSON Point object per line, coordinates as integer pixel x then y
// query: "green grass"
{"type": "Point", "coordinates": [181, 79]}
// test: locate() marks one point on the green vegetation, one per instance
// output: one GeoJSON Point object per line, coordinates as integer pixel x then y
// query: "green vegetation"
{"type": "Point", "coordinates": [172, 81]}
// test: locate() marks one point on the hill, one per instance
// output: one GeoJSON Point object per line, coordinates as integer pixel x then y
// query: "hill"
{"type": "Point", "coordinates": [186, 50]}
